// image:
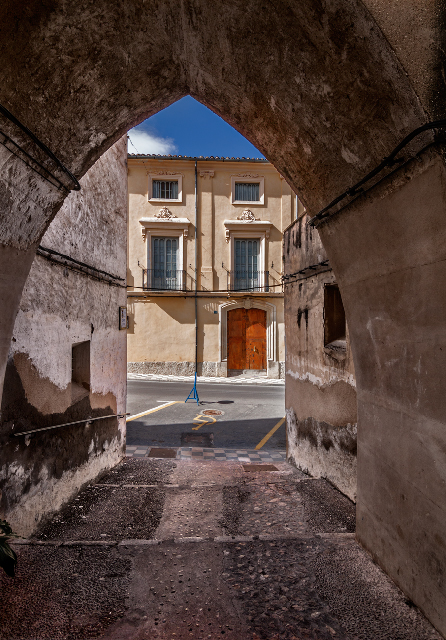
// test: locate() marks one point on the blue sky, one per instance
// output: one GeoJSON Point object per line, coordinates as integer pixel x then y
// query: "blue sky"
{"type": "Point", "coordinates": [188, 128]}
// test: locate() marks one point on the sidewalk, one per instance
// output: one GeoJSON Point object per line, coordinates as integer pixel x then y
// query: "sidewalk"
{"type": "Point", "coordinates": [242, 379]}
{"type": "Point", "coordinates": [189, 550]}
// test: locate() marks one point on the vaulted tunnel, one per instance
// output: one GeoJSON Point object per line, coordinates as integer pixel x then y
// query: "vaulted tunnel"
{"type": "Point", "coordinates": [325, 90]}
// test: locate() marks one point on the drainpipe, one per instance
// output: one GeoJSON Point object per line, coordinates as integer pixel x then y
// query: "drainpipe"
{"type": "Point", "coordinates": [196, 268]}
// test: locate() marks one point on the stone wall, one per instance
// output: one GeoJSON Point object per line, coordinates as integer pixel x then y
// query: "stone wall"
{"type": "Point", "coordinates": [62, 307]}
{"type": "Point", "coordinates": [211, 369]}
{"type": "Point", "coordinates": [177, 368]}
{"type": "Point", "coordinates": [320, 394]}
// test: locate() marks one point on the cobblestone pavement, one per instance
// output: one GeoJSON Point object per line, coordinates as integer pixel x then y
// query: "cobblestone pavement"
{"type": "Point", "coordinates": [196, 549]}
{"type": "Point", "coordinates": [242, 379]}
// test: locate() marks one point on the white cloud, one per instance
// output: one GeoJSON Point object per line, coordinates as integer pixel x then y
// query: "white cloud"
{"type": "Point", "coordinates": [144, 142]}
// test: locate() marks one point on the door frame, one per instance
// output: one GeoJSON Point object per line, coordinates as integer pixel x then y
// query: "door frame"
{"type": "Point", "coordinates": [271, 326]}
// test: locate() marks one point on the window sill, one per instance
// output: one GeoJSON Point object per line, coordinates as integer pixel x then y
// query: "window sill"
{"type": "Point", "coordinates": [250, 202]}
{"type": "Point", "coordinates": [164, 200]}
{"type": "Point", "coordinates": [78, 392]}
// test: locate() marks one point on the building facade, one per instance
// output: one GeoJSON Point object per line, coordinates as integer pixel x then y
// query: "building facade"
{"type": "Point", "coordinates": [320, 390]}
{"type": "Point", "coordinates": [205, 265]}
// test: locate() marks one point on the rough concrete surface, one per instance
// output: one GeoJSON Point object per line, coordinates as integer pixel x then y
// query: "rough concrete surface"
{"type": "Point", "coordinates": [397, 332]}
{"type": "Point", "coordinates": [320, 391]}
{"type": "Point", "coordinates": [59, 309]}
{"type": "Point", "coordinates": [227, 554]}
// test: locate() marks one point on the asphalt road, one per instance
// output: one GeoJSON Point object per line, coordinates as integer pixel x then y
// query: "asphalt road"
{"type": "Point", "coordinates": [249, 413]}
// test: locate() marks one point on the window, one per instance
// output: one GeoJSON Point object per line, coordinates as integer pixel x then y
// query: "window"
{"type": "Point", "coordinates": [334, 317]}
{"type": "Point", "coordinates": [80, 370]}
{"type": "Point", "coordinates": [164, 272]}
{"type": "Point", "coordinates": [246, 275]}
{"type": "Point", "coordinates": [80, 364]}
{"type": "Point", "coordinates": [165, 189]}
{"type": "Point", "coordinates": [247, 189]}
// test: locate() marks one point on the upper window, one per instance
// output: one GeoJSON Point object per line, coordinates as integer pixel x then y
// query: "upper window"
{"type": "Point", "coordinates": [165, 188]}
{"type": "Point", "coordinates": [247, 190]}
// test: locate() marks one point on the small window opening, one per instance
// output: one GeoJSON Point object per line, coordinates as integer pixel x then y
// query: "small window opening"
{"type": "Point", "coordinates": [247, 191]}
{"type": "Point", "coordinates": [334, 317]}
{"type": "Point", "coordinates": [80, 358]}
{"type": "Point", "coordinates": [165, 189]}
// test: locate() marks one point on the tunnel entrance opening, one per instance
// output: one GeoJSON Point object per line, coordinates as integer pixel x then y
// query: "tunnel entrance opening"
{"type": "Point", "coordinates": [204, 287]}
{"type": "Point", "coordinates": [324, 92]}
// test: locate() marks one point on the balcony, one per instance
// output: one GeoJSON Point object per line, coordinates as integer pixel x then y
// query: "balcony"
{"type": "Point", "coordinates": [249, 281]}
{"type": "Point", "coordinates": [160, 280]}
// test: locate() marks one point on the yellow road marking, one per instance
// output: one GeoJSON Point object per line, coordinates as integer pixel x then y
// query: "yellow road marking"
{"type": "Point", "coordinates": [205, 421]}
{"type": "Point", "coordinates": [146, 413]}
{"type": "Point", "coordinates": [271, 433]}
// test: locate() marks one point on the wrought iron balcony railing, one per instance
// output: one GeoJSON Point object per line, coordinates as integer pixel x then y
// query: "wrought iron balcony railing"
{"type": "Point", "coordinates": [164, 280]}
{"type": "Point", "coordinates": [248, 281]}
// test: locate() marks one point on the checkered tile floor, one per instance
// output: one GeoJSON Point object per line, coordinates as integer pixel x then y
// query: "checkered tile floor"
{"type": "Point", "coordinates": [202, 453]}
{"type": "Point", "coordinates": [232, 380]}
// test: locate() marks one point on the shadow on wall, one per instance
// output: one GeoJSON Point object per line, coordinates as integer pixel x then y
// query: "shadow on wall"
{"type": "Point", "coordinates": [31, 492]}
{"type": "Point", "coordinates": [131, 279]}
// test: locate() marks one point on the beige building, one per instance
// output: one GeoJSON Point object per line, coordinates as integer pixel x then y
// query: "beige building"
{"type": "Point", "coordinates": [205, 265]}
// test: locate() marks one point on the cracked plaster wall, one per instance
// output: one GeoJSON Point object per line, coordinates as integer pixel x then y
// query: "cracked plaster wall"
{"type": "Point", "coordinates": [59, 308]}
{"type": "Point", "coordinates": [320, 392]}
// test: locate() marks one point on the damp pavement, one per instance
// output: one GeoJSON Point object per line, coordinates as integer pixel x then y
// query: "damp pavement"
{"type": "Point", "coordinates": [183, 549]}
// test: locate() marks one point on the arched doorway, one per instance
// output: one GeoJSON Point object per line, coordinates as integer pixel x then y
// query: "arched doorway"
{"type": "Point", "coordinates": [249, 327]}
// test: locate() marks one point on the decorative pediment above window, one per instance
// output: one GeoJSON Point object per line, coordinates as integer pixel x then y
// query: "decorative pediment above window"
{"type": "Point", "coordinates": [263, 227]}
{"type": "Point", "coordinates": [206, 174]}
{"type": "Point", "coordinates": [164, 223]}
{"type": "Point", "coordinates": [165, 213]}
{"type": "Point", "coordinates": [247, 216]}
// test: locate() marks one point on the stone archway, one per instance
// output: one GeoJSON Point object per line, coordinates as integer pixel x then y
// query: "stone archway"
{"type": "Point", "coordinates": [325, 90]}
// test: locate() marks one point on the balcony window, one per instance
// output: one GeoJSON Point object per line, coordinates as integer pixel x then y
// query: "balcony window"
{"type": "Point", "coordinates": [246, 275]}
{"type": "Point", "coordinates": [164, 273]}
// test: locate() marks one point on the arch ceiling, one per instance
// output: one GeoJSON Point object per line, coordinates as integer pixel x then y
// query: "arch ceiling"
{"type": "Point", "coordinates": [313, 84]}
{"type": "Point", "coordinates": [317, 87]}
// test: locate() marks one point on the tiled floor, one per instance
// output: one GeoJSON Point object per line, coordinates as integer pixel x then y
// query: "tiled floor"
{"type": "Point", "coordinates": [203, 453]}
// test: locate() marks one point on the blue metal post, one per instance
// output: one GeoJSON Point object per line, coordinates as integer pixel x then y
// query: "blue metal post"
{"type": "Point", "coordinates": [193, 395]}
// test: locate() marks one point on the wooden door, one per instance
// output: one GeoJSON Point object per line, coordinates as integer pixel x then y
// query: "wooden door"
{"type": "Point", "coordinates": [255, 339]}
{"type": "Point", "coordinates": [236, 339]}
{"type": "Point", "coordinates": [246, 339]}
